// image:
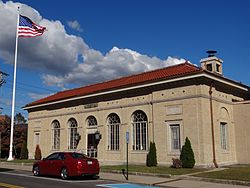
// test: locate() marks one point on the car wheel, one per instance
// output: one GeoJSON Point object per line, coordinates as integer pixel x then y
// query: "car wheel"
{"type": "Point", "coordinates": [64, 174]}
{"type": "Point", "coordinates": [95, 177]}
{"type": "Point", "coordinates": [36, 171]}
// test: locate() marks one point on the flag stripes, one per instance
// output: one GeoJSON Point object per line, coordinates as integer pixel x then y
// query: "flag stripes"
{"type": "Point", "coordinates": [27, 28]}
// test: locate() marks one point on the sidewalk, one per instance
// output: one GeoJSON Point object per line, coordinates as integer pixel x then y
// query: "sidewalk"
{"type": "Point", "coordinates": [183, 181]}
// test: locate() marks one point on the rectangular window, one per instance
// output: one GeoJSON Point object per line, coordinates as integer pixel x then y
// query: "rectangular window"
{"type": "Point", "coordinates": [113, 131]}
{"type": "Point", "coordinates": [37, 138]}
{"type": "Point", "coordinates": [140, 133]}
{"type": "Point", "coordinates": [175, 137]}
{"type": "Point", "coordinates": [209, 67]}
{"type": "Point", "coordinates": [223, 135]}
{"type": "Point", "coordinates": [56, 139]}
{"type": "Point", "coordinates": [72, 138]}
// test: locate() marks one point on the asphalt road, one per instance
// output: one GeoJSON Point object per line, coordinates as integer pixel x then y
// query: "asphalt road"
{"type": "Point", "coordinates": [19, 179]}
{"type": "Point", "coordinates": [23, 179]}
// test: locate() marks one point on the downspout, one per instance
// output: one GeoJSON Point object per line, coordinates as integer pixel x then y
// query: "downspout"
{"type": "Point", "coordinates": [212, 123]}
{"type": "Point", "coordinates": [153, 126]}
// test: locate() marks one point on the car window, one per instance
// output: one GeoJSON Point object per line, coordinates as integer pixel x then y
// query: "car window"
{"type": "Point", "coordinates": [53, 156]}
{"type": "Point", "coordinates": [61, 156]}
{"type": "Point", "coordinates": [78, 156]}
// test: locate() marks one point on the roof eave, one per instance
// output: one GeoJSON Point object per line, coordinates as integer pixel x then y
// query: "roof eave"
{"type": "Point", "coordinates": [194, 75]}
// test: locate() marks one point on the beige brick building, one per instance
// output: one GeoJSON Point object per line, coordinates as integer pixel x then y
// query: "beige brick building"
{"type": "Point", "coordinates": [164, 106]}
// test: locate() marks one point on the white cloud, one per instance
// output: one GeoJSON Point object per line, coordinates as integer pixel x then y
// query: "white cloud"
{"type": "Point", "coordinates": [37, 96]}
{"type": "Point", "coordinates": [75, 25]}
{"type": "Point", "coordinates": [62, 63]}
{"type": "Point", "coordinates": [47, 53]}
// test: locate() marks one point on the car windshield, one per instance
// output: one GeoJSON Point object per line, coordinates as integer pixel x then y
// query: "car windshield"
{"type": "Point", "coordinates": [78, 156]}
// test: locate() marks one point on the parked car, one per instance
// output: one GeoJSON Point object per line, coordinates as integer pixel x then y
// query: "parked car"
{"type": "Point", "coordinates": [67, 164]}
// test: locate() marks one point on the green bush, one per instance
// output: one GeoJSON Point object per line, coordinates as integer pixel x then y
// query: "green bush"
{"type": "Point", "coordinates": [38, 153]}
{"type": "Point", "coordinates": [24, 150]}
{"type": "Point", "coordinates": [187, 155]}
{"type": "Point", "coordinates": [151, 156]}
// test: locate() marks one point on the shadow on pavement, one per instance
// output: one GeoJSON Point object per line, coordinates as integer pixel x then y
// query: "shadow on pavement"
{"type": "Point", "coordinates": [74, 177]}
{"type": "Point", "coordinates": [5, 170]}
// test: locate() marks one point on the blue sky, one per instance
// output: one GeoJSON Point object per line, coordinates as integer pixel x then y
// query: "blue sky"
{"type": "Point", "coordinates": [97, 40]}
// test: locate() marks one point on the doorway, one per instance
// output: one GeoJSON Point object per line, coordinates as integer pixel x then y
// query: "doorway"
{"type": "Point", "coordinates": [92, 146]}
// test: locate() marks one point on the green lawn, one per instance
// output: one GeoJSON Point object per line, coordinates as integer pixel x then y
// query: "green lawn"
{"type": "Point", "coordinates": [156, 170]}
{"type": "Point", "coordinates": [232, 173]}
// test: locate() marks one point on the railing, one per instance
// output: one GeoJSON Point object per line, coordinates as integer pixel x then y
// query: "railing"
{"type": "Point", "coordinates": [89, 152]}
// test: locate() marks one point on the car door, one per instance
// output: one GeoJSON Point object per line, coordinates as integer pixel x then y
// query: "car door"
{"type": "Point", "coordinates": [45, 166]}
{"type": "Point", "coordinates": [57, 164]}
{"type": "Point", "coordinates": [49, 164]}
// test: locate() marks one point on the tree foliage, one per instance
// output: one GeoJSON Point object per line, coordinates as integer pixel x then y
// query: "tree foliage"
{"type": "Point", "coordinates": [151, 156]}
{"type": "Point", "coordinates": [24, 150]}
{"type": "Point", "coordinates": [187, 155]}
{"type": "Point", "coordinates": [19, 119]}
{"type": "Point", "coordinates": [5, 120]}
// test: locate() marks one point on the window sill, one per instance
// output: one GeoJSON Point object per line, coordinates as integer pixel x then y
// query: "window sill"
{"type": "Point", "coordinates": [114, 151]}
{"type": "Point", "coordinates": [139, 152]}
{"type": "Point", "coordinates": [225, 151]}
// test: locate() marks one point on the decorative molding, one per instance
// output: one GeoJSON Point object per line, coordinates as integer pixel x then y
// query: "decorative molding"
{"type": "Point", "coordinates": [133, 105]}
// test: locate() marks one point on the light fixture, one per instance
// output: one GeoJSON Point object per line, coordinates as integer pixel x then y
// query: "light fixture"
{"type": "Point", "coordinates": [98, 135]}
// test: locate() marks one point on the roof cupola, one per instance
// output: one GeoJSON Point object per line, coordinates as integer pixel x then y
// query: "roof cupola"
{"type": "Point", "coordinates": [212, 63]}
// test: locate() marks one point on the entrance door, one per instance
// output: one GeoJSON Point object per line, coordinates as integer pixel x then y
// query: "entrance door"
{"type": "Point", "coordinates": [92, 146]}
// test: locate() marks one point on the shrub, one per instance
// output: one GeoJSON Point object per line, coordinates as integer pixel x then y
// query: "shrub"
{"type": "Point", "coordinates": [151, 156]}
{"type": "Point", "coordinates": [38, 153]}
{"type": "Point", "coordinates": [176, 163]}
{"type": "Point", "coordinates": [24, 150]}
{"type": "Point", "coordinates": [187, 155]}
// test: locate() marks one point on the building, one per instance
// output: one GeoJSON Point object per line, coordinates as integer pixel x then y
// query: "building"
{"type": "Point", "coordinates": [163, 106]}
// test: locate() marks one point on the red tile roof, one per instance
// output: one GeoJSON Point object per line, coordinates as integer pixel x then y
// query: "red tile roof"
{"type": "Point", "coordinates": [146, 77]}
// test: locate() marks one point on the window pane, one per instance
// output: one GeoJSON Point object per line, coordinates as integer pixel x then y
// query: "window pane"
{"type": "Point", "coordinates": [114, 131]}
{"type": "Point", "coordinates": [175, 137]}
{"type": "Point", "coordinates": [72, 133]}
{"type": "Point", "coordinates": [223, 128]}
{"type": "Point", "coordinates": [91, 121]}
{"type": "Point", "coordinates": [139, 123]}
{"type": "Point", "coordinates": [56, 135]}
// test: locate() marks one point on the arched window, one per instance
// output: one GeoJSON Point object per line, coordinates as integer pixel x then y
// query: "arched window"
{"type": "Point", "coordinates": [72, 125]}
{"type": "Point", "coordinates": [113, 131]}
{"type": "Point", "coordinates": [91, 121]}
{"type": "Point", "coordinates": [140, 130]}
{"type": "Point", "coordinates": [56, 135]}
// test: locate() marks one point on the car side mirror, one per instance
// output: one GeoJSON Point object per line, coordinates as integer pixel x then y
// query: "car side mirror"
{"type": "Point", "coordinates": [44, 159]}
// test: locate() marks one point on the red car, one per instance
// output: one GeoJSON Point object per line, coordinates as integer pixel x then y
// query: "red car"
{"type": "Point", "coordinates": [67, 164]}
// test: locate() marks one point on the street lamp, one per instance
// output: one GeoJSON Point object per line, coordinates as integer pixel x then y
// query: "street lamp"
{"type": "Point", "coordinates": [77, 138]}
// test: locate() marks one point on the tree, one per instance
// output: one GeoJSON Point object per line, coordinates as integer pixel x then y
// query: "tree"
{"type": "Point", "coordinates": [5, 120]}
{"type": "Point", "coordinates": [19, 119]}
{"type": "Point", "coordinates": [151, 156]}
{"type": "Point", "coordinates": [38, 153]}
{"type": "Point", "coordinates": [187, 155]}
{"type": "Point", "coordinates": [24, 150]}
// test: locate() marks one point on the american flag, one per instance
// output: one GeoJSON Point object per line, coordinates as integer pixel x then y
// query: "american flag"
{"type": "Point", "coordinates": [27, 28]}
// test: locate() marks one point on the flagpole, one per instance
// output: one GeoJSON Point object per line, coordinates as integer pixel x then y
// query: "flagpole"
{"type": "Point", "coordinates": [13, 95]}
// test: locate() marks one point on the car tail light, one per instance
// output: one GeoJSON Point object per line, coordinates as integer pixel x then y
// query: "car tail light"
{"type": "Point", "coordinates": [79, 164]}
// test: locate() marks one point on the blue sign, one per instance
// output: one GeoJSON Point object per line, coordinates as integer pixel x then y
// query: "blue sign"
{"type": "Point", "coordinates": [127, 137]}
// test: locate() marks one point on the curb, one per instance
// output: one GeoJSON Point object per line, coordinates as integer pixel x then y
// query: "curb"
{"type": "Point", "coordinates": [16, 164]}
{"type": "Point", "coordinates": [138, 173]}
{"type": "Point", "coordinates": [222, 181]}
